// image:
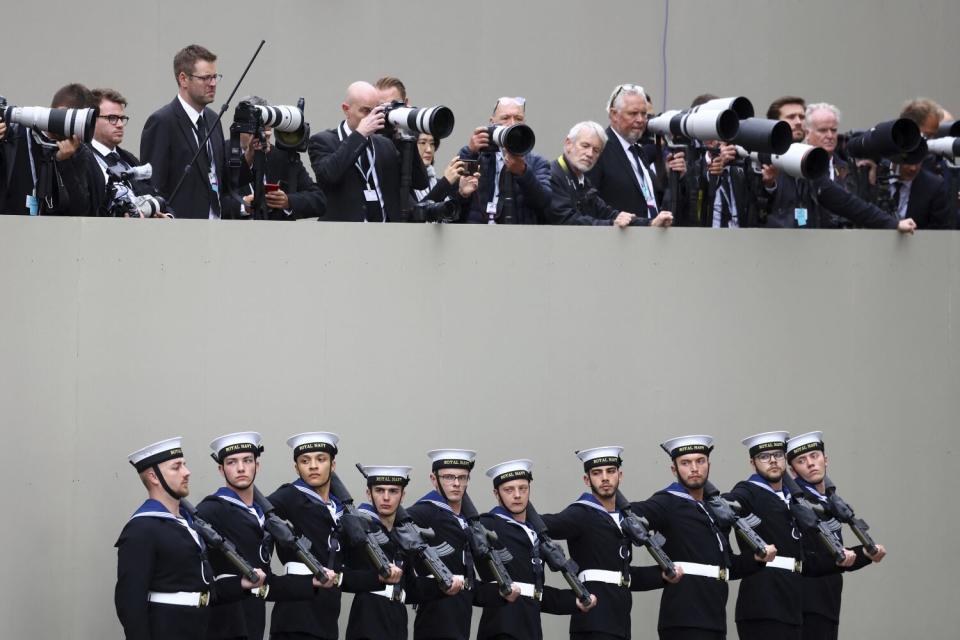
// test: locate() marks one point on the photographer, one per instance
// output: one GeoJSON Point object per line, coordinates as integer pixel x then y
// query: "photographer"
{"type": "Point", "coordinates": [358, 169]}
{"type": "Point", "coordinates": [624, 175]}
{"type": "Point", "coordinates": [49, 174]}
{"type": "Point", "coordinates": [107, 136]}
{"type": "Point", "coordinates": [291, 194]}
{"type": "Point", "coordinates": [793, 111]}
{"type": "Point", "coordinates": [173, 132]}
{"type": "Point", "coordinates": [528, 174]}
{"type": "Point", "coordinates": [574, 200]}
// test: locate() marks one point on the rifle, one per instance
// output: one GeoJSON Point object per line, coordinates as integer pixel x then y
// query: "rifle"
{"type": "Point", "coordinates": [214, 540]}
{"type": "Point", "coordinates": [637, 530]}
{"type": "Point", "coordinates": [283, 533]}
{"type": "Point", "coordinates": [480, 541]}
{"type": "Point", "coordinates": [844, 513]}
{"type": "Point", "coordinates": [552, 553]}
{"type": "Point", "coordinates": [728, 513]}
{"type": "Point", "coordinates": [411, 539]}
{"type": "Point", "coordinates": [357, 530]}
{"type": "Point", "coordinates": [805, 513]}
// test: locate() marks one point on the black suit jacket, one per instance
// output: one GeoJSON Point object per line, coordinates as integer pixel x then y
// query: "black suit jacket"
{"type": "Point", "coordinates": [928, 204]}
{"type": "Point", "coordinates": [168, 143]}
{"type": "Point", "coordinates": [334, 165]}
{"type": "Point", "coordinates": [286, 168]}
{"type": "Point", "coordinates": [615, 180]}
{"type": "Point", "coordinates": [708, 185]}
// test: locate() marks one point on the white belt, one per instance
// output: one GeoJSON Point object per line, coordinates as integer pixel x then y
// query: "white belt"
{"type": "Point", "coordinates": [297, 569]}
{"type": "Point", "coordinates": [181, 598]}
{"type": "Point", "coordinates": [390, 592]}
{"type": "Point", "coordinates": [602, 575]}
{"type": "Point", "coordinates": [528, 590]}
{"type": "Point", "coordinates": [705, 570]}
{"type": "Point", "coordinates": [786, 563]}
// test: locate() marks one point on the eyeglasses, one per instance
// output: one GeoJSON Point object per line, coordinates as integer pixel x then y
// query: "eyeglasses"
{"type": "Point", "coordinates": [213, 77]}
{"type": "Point", "coordinates": [115, 119]}
{"type": "Point", "coordinates": [451, 478]}
{"type": "Point", "coordinates": [630, 89]}
{"type": "Point", "coordinates": [767, 456]}
{"type": "Point", "coordinates": [520, 102]}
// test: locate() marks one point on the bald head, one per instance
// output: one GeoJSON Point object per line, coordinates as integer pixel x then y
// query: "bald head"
{"type": "Point", "coordinates": [361, 98]}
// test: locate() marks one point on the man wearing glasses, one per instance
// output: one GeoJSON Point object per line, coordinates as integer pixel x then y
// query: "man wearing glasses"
{"type": "Point", "coordinates": [173, 132]}
{"type": "Point", "coordinates": [526, 179]}
{"type": "Point", "coordinates": [624, 174]}
{"type": "Point", "coordinates": [449, 618]}
{"type": "Point", "coordinates": [770, 602]}
{"type": "Point", "coordinates": [107, 136]}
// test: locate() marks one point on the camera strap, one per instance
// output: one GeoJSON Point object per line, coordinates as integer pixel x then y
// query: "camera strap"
{"type": "Point", "coordinates": [369, 175]}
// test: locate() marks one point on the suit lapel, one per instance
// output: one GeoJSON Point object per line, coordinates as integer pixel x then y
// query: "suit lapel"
{"type": "Point", "coordinates": [621, 155]}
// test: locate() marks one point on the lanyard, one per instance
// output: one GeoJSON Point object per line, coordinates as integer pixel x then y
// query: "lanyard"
{"type": "Point", "coordinates": [33, 166]}
{"type": "Point", "coordinates": [372, 158]}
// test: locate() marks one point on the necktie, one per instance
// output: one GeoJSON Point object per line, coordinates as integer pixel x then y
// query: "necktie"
{"type": "Point", "coordinates": [896, 197]}
{"type": "Point", "coordinates": [202, 135]}
{"type": "Point", "coordinates": [112, 158]}
{"type": "Point", "coordinates": [644, 187]}
{"type": "Point", "coordinates": [725, 195]}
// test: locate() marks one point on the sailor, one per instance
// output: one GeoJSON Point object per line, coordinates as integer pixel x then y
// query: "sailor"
{"type": "Point", "coordinates": [821, 595]}
{"type": "Point", "coordinates": [520, 620]}
{"type": "Point", "coordinates": [440, 510]}
{"type": "Point", "coordinates": [315, 513]}
{"type": "Point", "coordinates": [697, 541]}
{"type": "Point", "coordinates": [591, 527]}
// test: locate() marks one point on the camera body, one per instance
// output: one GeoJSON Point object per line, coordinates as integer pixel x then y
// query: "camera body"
{"type": "Point", "coordinates": [291, 132]}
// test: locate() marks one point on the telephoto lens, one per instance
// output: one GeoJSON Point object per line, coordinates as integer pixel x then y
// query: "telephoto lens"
{"type": "Point", "coordinates": [948, 148]}
{"type": "Point", "coordinates": [436, 121]}
{"type": "Point", "coordinates": [800, 161]}
{"type": "Point", "coordinates": [518, 138]}
{"type": "Point", "coordinates": [64, 123]}
{"type": "Point", "coordinates": [765, 136]}
{"type": "Point", "coordinates": [697, 125]}
{"type": "Point", "coordinates": [887, 139]}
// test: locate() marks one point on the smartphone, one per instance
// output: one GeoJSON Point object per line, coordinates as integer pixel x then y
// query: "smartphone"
{"type": "Point", "coordinates": [470, 167]}
{"type": "Point", "coordinates": [270, 187]}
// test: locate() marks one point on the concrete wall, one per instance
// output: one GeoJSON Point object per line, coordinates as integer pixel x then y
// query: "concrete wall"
{"type": "Point", "coordinates": [565, 57]}
{"type": "Point", "coordinates": [518, 342]}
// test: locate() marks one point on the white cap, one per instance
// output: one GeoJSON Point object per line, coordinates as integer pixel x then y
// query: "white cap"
{"type": "Point", "coordinates": [766, 441]}
{"type": "Point", "coordinates": [799, 445]}
{"type": "Point", "coordinates": [232, 443]}
{"type": "Point", "coordinates": [156, 453]}
{"type": "Point", "coordinates": [452, 458]}
{"type": "Point", "coordinates": [600, 457]}
{"type": "Point", "coordinates": [311, 441]}
{"type": "Point", "coordinates": [511, 470]}
{"type": "Point", "coordinates": [676, 447]}
{"type": "Point", "coordinates": [382, 474]}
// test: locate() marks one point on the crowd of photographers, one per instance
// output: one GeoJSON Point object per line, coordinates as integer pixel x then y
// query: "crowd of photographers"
{"type": "Point", "coordinates": [713, 164]}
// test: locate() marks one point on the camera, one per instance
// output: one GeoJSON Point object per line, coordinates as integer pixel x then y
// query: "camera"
{"type": "Point", "coordinates": [436, 121]}
{"type": "Point", "coordinates": [446, 211]}
{"type": "Point", "coordinates": [518, 138]}
{"type": "Point", "coordinates": [702, 125]}
{"type": "Point", "coordinates": [122, 197]}
{"type": "Point", "coordinates": [800, 160]}
{"type": "Point", "coordinates": [890, 139]}
{"type": "Point", "coordinates": [60, 122]}
{"type": "Point", "coordinates": [738, 104]}
{"type": "Point", "coordinates": [948, 129]}
{"type": "Point", "coordinates": [948, 148]}
{"type": "Point", "coordinates": [289, 129]}
{"type": "Point", "coordinates": [141, 173]}
{"type": "Point", "coordinates": [764, 136]}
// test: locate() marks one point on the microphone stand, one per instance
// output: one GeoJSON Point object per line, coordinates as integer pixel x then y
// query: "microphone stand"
{"type": "Point", "coordinates": [210, 130]}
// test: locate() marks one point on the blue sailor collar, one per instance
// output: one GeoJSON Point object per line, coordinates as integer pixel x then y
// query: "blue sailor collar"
{"type": "Point", "coordinates": [761, 482]}
{"type": "Point", "coordinates": [307, 490]}
{"type": "Point", "coordinates": [503, 514]}
{"type": "Point", "coordinates": [440, 502]}
{"type": "Point", "coordinates": [589, 500]}
{"type": "Point", "coordinates": [680, 491]}
{"type": "Point", "coordinates": [154, 509]}
{"type": "Point", "coordinates": [811, 488]}
{"type": "Point", "coordinates": [231, 496]}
